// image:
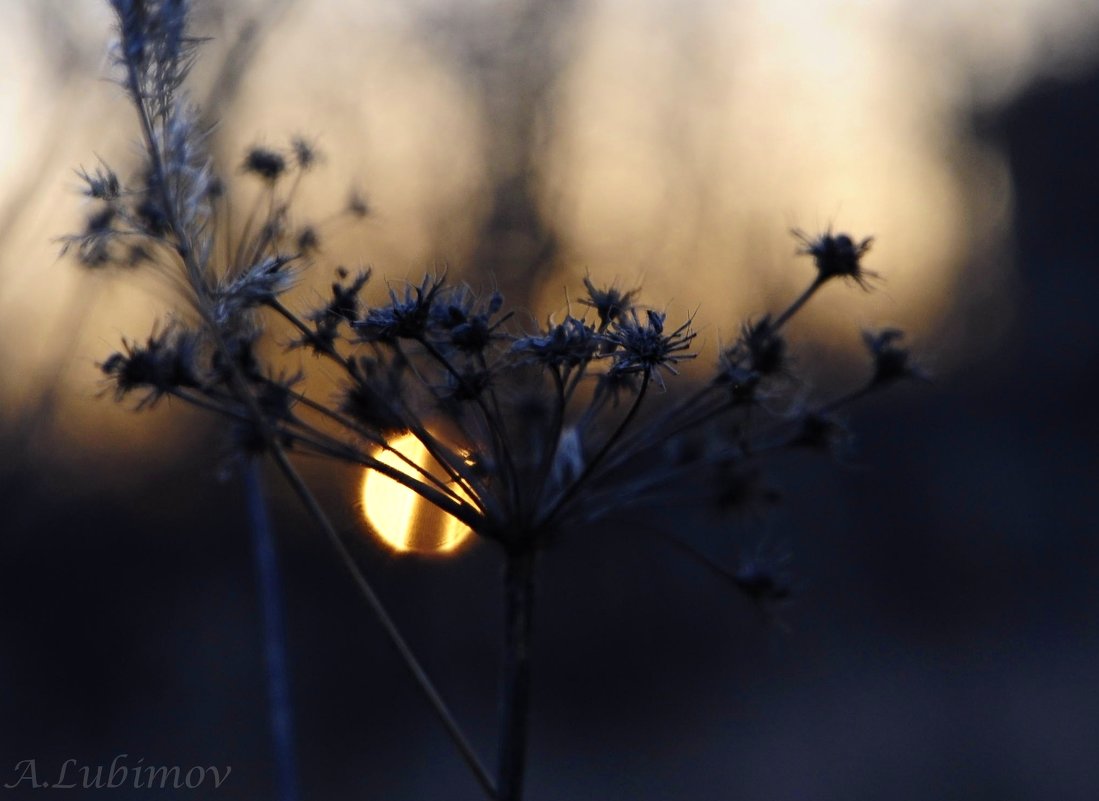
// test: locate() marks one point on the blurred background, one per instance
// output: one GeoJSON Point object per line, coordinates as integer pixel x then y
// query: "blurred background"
{"type": "Point", "coordinates": [942, 642]}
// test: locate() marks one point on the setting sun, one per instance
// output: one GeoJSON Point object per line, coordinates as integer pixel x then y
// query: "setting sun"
{"type": "Point", "coordinates": [399, 517]}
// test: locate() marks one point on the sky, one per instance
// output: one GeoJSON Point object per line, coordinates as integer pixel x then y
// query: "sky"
{"type": "Point", "coordinates": [666, 143]}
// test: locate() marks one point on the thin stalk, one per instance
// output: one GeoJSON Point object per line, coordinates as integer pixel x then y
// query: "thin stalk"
{"type": "Point", "coordinates": [678, 411]}
{"type": "Point", "coordinates": [595, 406]}
{"type": "Point", "coordinates": [446, 500]}
{"type": "Point", "coordinates": [699, 557]}
{"type": "Point", "coordinates": [436, 451]}
{"type": "Point", "coordinates": [799, 301]}
{"type": "Point", "coordinates": [821, 411]}
{"type": "Point", "coordinates": [553, 440]}
{"type": "Point", "coordinates": [515, 682]}
{"type": "Point", "coordinates": [439, 452]}
{"type": "Point", "coordinates": [310, 336]}
{"type": "Point", "coordinates": [495, 424]}
{"type": "Point", "coordinates": [574, 381]}
{"type": "Point", "coordinates": [266, 235]}
{"type": "Point", "coordinates": [246, 233]}
{"type": "Point", "coordinates": [377, 441]}
{"type": "Point", "coordinates": [423, 681]}
{"type": "Point", "coordinates": [279, 702]}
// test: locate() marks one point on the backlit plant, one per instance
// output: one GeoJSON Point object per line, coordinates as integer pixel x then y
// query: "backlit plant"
{"type": "Point", "coordinates": [533, 429]}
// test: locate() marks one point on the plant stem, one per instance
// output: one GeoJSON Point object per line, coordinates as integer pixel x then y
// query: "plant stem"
{"type": "Point", "coordinates": [239, 386]}
{"type": "Point", "coordinates": [274, 635]}
{"type": "Point", "coordinates": [515, 687]}
{"type": "Point", "coordinates": [794, 307]}
{"type": "Point", "coordinates": [423, 681]}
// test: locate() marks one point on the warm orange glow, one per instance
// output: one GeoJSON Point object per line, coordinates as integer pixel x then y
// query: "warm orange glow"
{"type": "Point", "coordinates": [399, 517]}
{"type": "Point", "coordinates": [679, 143]}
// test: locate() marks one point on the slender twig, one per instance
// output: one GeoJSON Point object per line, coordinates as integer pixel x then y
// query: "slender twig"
{"type": "Point", "coordinates": [496, 426]}
{"type": "Point", "coordinates": [799, 301]}
{"type": "Point", "coordinates": [310, 337]}
{"type": "Point", "coordinates": [274, 634]}
{"type": "Point", "coordinates": [379, 442]}
{"type": "Point", "coordinates": [452, 463]}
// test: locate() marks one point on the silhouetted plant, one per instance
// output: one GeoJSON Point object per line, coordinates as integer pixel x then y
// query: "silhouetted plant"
{"type": "Point", "coordinates": [546, 429]}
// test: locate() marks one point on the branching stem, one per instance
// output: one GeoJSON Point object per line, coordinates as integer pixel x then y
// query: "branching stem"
{"type": "Point", "coordinates": [274, 448]}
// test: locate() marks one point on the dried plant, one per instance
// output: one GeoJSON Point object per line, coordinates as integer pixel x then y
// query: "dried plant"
{"type": "Point", "coordinates": [535, 431]}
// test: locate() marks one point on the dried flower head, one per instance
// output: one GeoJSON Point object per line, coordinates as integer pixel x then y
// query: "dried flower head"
{"type": "Point", "coordinates": [153, 41]}
{"type": "Point", "coordinates": [357, 205]}
{"type": "Point", "coordinates": [305, 153]}
{"type": "Point", "coordinates": [342, 308]}
{"type": "Point", "coordinates": [567, 344]}
{"type": "Point", "coordinates": [308, 240]}
{"type": "Point", "coordinates": [609, 303]}
{"type": "Point", "coordinates": [465, 323]}
{"type": "Point", "coordinates": [168, 361]}
{"type": "Point", "coordinates": [266, 163]}
{"type": "Point", "coordinates": [405, 317]}
{"type": "Point", "coordinates": [103, 184]}
{"type": "Point", "coordinates": [891, 361]}
{"type": "Point", "coordinates": [369, 397]}
{"type": "Point", "coordinates": [821, 432]}
{"type": "Point", "coordinates": [259, 285]}
{"type": "Point", "coordinates": [643, 347]}
{"type": "Point", "coordinates": [760, 352]}
{"type": "Point", "coordinates": [762, 347]}
{"type": "Point", "coordinates": [94, 243]}
{"type": "Point", "coordinates": [837, 256]}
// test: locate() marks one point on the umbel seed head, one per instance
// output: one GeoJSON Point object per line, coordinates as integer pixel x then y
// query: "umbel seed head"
{"type": "Point", "coordinates": [837, 255]}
